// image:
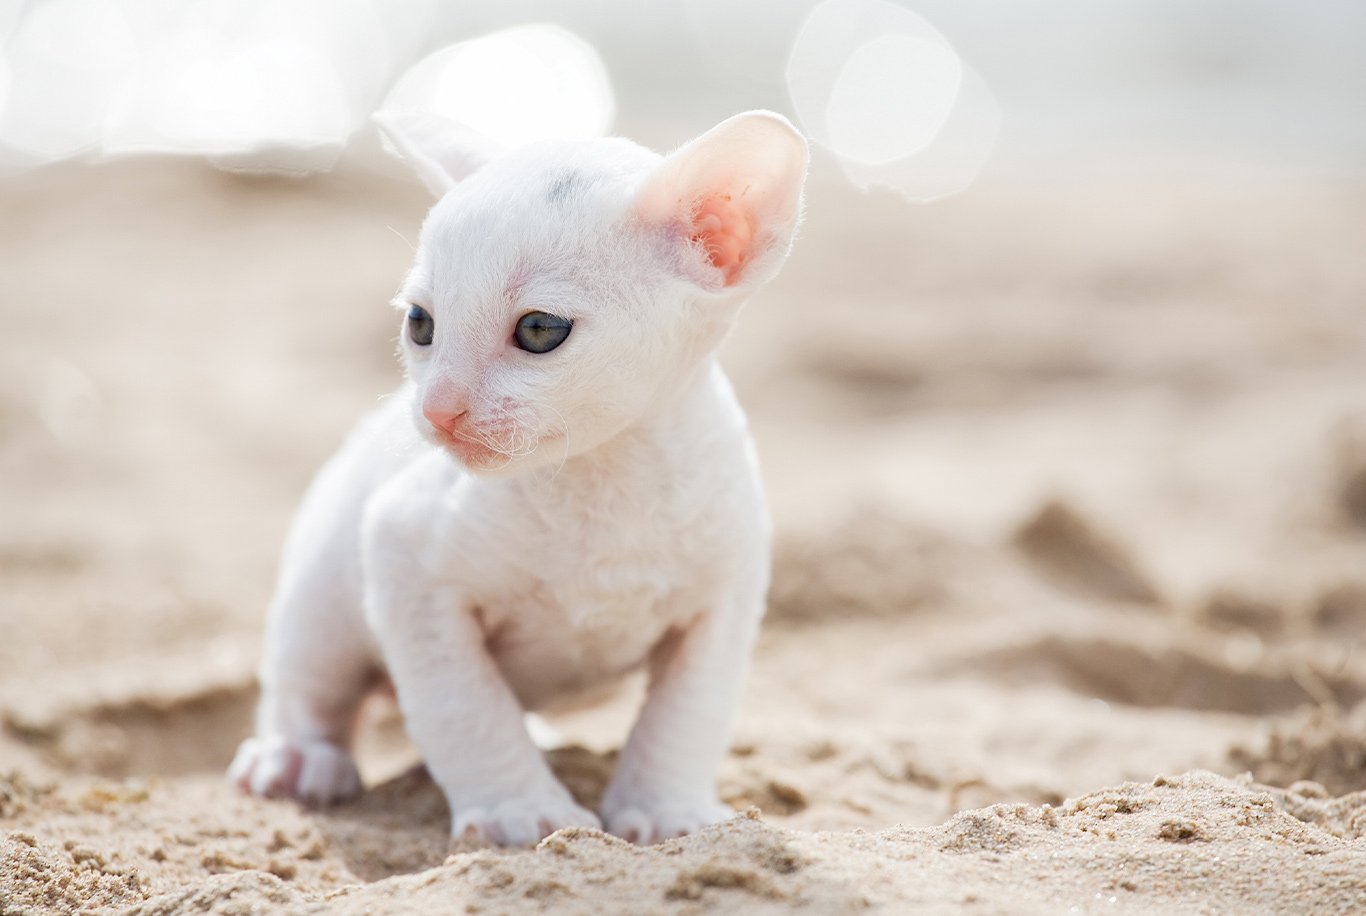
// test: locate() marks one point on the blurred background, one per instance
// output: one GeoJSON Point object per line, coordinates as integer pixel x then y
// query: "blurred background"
{"type": "Point", "coordinates": [291, 85]}
{"type": "Point", "coordinates": [1061, 399]}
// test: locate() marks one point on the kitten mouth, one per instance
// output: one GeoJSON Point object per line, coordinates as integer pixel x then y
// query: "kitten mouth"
{"type": "Point", "coordinates": [469, 452]}
{"type": "Point", "coordinates": [472, 453]}
{"type": "Point", "coordinates": [485, 454]}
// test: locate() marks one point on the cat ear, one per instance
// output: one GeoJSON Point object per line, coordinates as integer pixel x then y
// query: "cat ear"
{"type": "Point", "coordinates": [731, 200]}
{"type": "Point", "coordinates": [442, 152]}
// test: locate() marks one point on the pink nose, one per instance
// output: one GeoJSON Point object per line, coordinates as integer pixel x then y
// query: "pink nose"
{"type": "Point", "coordinates": [445, 418]}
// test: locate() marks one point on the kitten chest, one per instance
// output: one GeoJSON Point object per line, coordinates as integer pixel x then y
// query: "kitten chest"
{"type": "Point", "coordinates": [593, 588]}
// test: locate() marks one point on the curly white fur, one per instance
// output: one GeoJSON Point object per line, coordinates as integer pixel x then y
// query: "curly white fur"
{"type": "Point", "coordinates": [514, 529]}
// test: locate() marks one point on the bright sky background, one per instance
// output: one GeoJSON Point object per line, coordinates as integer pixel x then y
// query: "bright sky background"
{"type": "Point", "coordinates": [916, 96]}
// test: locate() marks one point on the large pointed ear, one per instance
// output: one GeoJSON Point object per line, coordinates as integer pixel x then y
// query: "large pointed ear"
{"type": "Point", "coordinates": [731, 200]}
{"type": "Point", "coordinates": [442, 152]}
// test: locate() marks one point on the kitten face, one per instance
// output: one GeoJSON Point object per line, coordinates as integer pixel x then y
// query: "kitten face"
{"type": "Point", "coordinates": [561, 291]}
{"type": "Point", "coordinates": [546, 233]}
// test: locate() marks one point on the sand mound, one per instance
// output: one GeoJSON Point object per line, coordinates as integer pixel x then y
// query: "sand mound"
{"type": "Point", "coordinates": [1182, 676]}
{"type": "Point", "coordinates": [1065, 546]}
{"type": "Point", "coordinates": [1319, 752]}
{"type": "Point", "coordinates": [1143, 846]}
{"type": "Point", "coordinates": [38, 876]}
{"type": "Point", "coordinates": [868, 563]}
{"type": "Point", "coordinates": [1142, 843]}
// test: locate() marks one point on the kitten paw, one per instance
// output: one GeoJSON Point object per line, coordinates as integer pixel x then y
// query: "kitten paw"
{"type": "Point", "coordinates": [313, 771]}
{"type": "Point", "coordinates": [521, 821]}
{"type": "Point", "coordinates": [650, 823]}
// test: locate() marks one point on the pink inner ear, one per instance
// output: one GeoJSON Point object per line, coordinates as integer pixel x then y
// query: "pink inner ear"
{"type": "Point", "coordinates": [724, 230]}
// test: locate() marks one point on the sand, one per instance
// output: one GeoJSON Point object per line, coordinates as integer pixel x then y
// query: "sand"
{"type": "Point", "coordinates": [1069, 482]}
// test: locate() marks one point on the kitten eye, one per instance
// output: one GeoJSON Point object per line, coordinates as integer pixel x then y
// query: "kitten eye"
{"type": "Point", "coordinates": [420, 326]}
{"type": "Point", "coordinates": [541, 332]}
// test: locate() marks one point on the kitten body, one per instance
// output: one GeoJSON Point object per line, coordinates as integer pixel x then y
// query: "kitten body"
{"type": "Point", "coordinates": [515, 528]}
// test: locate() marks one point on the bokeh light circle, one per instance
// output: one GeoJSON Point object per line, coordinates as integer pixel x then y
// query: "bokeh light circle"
{"type": "Point", "coordinates": [884, 91]}
{"type": "Point", "coordinates": [210, 97]}
{"type": "Point", "coordinates": [83, 35]}
{"type": "Point", "coordinates": [66, 60]}
{"type": "Point", "coordinates": [518, 85]}
{"type": "Point", "coordinates": [863, 125]}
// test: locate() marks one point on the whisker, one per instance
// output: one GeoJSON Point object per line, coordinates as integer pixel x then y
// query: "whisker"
{"type": "Point", "coordinates": [516, 447]}
{"type": "Point", "coordinates": [402, 236]}
{"type": "Point", "coordinates": [518, 441]}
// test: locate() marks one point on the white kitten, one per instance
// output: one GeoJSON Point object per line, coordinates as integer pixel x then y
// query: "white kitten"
{"type": "Point", "coordinates": [580, 495]}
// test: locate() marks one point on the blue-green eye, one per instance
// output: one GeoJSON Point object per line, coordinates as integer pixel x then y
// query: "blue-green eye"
{"type": "Point", "coordinates": [420, 326]}
{"type": "Point", "coordinates": [541, 332]}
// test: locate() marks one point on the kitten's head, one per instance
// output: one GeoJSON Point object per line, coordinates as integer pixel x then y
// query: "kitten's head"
{"type": "Point", "coordinates": [562, 290]}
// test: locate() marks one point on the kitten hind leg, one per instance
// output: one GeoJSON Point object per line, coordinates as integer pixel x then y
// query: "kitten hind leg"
{"type": "Point", "coordinates": [321, 659]}
{"type": "Point", "coordinates": [319, 666]}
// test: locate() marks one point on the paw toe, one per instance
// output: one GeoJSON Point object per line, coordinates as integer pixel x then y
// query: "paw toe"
{"type": "Point", "coordinates": [327, 774]}
{"type": "Point", "coordinates": [632, 825]}
{"type": "Point", "coordinates": [521, 821]}
{"type": "Point", "coordinates": [653, 823]}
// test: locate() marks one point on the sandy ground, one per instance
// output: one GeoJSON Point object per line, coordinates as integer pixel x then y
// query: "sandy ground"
{"type": "Point", "coordinates": [1069, 602]}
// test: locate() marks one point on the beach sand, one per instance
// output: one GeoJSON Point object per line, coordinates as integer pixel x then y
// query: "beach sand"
{"type": "Point", "coordinates": [1069, 484]}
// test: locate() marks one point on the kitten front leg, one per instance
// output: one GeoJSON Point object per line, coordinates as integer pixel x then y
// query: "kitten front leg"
{"type": "Point", "coordinates": [466, 720]}
{"type": "Point", "coordinates": [665, 781]}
